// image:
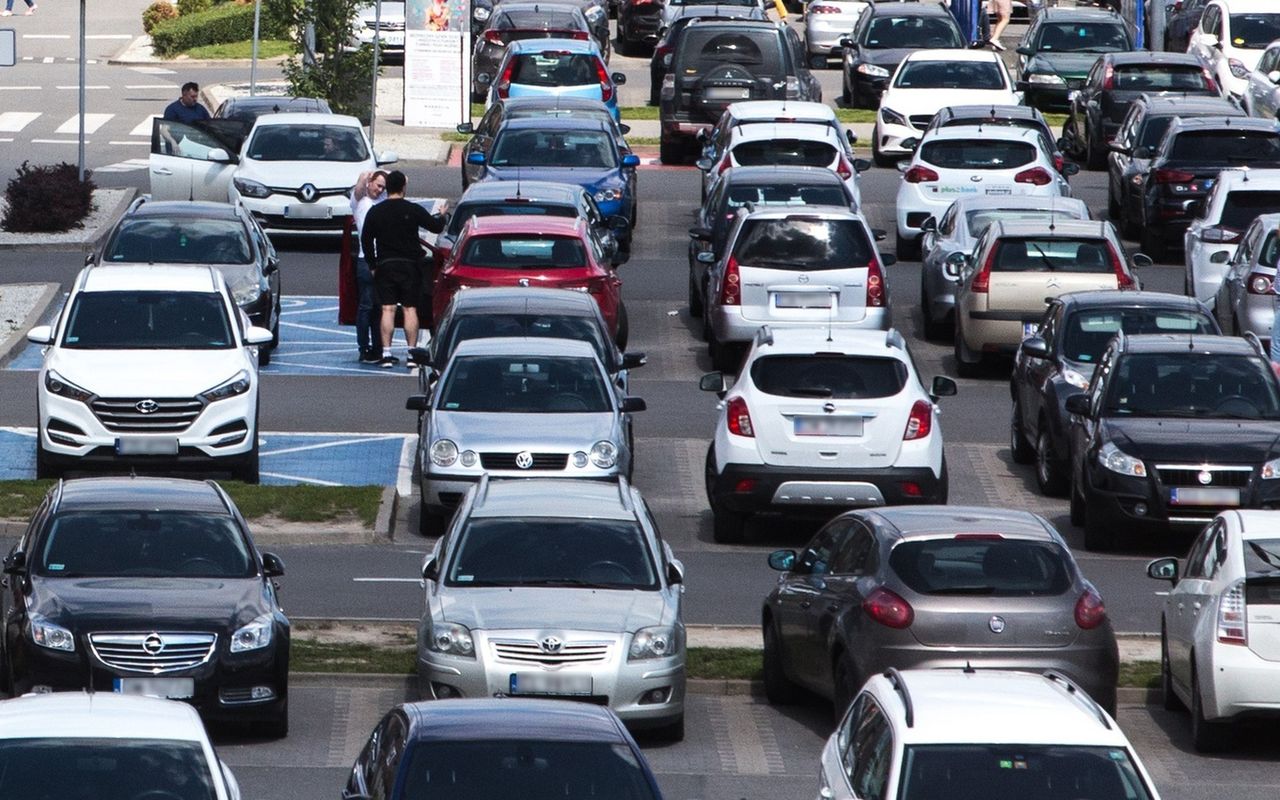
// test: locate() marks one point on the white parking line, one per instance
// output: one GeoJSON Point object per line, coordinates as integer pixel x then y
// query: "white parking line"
{"type": "Point", "coordinates": [46, 36]}
{"type": "Point", "coordinates": [91, 124]}
{"type": "Point", "coordinates": [21, 88]}
{"type": "Point", "coordinates": [299, 479]}
{"type": "Point", "coordinates": [15, 121]}
{"type": "Point", "coordinates": [143, 128]}
{"type": "Point", "coordinates": [75, 86]}
{"type": "Point", "coordinates": [404, 475]}
{"type": "Point", "coordinates": [57, 141]}
{"type": "Point", "coordinates": [323, 445]}
{"type": "Point", "coordinates": [387, 580]}
{"type": "Point", "coordinates": [109, 36]}
{"type": "Point", "coordinates": [150, 86]}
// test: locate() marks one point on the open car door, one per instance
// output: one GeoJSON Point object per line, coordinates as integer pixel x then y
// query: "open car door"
{"type": "Point", "coordinates": [194, 161]}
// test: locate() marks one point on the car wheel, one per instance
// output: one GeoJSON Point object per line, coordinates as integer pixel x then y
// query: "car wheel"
{"type": "Point", "coordinates": [933, 329]}
{"type": "Point", "coordinates": [724, 356]}
{"type": "Point", "coordinates": [817, 61]}
{"type": "Point", "coordinates": [671, 152]}
{"type": "Point", "coordinates": [264, 355]}
{"type": "Point", "coordinates": [278, 727]}
{"type": "Point", "coordinates": [624, 327]}
{"type": "Point", "coordinates": [846, 99]}
{"type": "Point", "coordinates": [247, 469]}
{"type": "Point", "coordinates": [1077, 504]}
{"type": "Point", "coordinates": [695, 299]}
{"type": "Point", "coordinates": [671, 732]}
{"type": "Point", "coordinates": [624, 46]}
{"type": "Point", "coordinates": [845, 688]}
{"type": "Point", "coordinates": [654, 90]}
{"type": "Point", "coordinates": [1206, 736]}
{"type": "Point", "coordinates": [908, 249]}
{"type": "Point", "coordinates": [431, 523]}
{"type": "Point", "coordinates": [1096, 157]}
{"type": "Point", "coordinates": [1113, 209]}
{"type": "Point", "coordinates": [880, 159]}
{"type": "Point", "coordinates": [1168, 698]}
{"type": "Point", "coordinates": [968, 364]}
{"type": "Point", "coordinates": [778, 688]}
{"type": "Point", "coordinates": [45, 469]}
{"type": "Point", "coordinates": [1049, 471]}
{"type": "Point", "coordinates": [1097, 538]}
{"type": "Point", "coordinates": [1152, 243]}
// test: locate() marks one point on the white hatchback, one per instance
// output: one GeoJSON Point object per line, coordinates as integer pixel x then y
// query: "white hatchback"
{"type": "Point", "coordinates": [1231, 37]}
{"type": "Point", "coordinates": [1210, 241]}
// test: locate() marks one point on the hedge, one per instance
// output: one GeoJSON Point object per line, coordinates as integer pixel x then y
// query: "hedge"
{"type": "Point", "coordinates": [228, 22]}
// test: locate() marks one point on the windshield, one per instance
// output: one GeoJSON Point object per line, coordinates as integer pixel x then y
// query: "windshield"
{"type": "Point", "coordinates": [1164, 78]}
{"type": "Point", "coordinates": [1016, 772]}
{"type": "Point", "coordinates": [1254, 31]}
{"type": "Point", "coordinates": [978, 565]}
{"type": "Point", "coordinates": [829, 376]}
{"type": "Point", "coordinates": [977, 154]}
{"type": "Point", "coordinates": [534, 22]}
{"type": "Point", "coordinates": [524, 385]}
{"type": "Point", "coordinates": [1083, 37]}
{"type": "Point", "coordinates": [804, 244]}
{"type": "Point", "coordinates": [148, 321]}
{"type": "Point", "coordinates": [950, 75]}
{"type": "Point", "coordinates": [544, 551]}
{"type": "Point", "coordinates": [1242, 207]}
{"type": "Point", "coordinates": [1053, 255]}
{"type": "Point", "coordinates": [110, 769]}
{"type": "Point", "coordinates": [524, 252]}
{"type": "Point", "coordinates": [786, 194]}
{"type": "Point", "coordinates": [503, 208]}
{"type": "Point", "coordinates": [978, 220]}
{"type": "Point", "coordinates": [1087, 333]}
{"type": "Point", "coordinates": [179, 240]}
{"type": "Point", "coordinates": [154, 544]}
{"type": "Point", "coordinates": [489, 326]}
{"type": "Point", "coordinates": [307, 143]}
{"type": "Point", "coordinates": [1225, 147]}
{"type": "Point", "coordinates": [704, 49]}
{"type": "Point", "coordinates": [1153, 130]}
{"type": "Point", "coordinates": [554, 68]}
{"type": "Point", "coordinates": [555, 148]}
{"type": "Point", "coordinates": [784, 153]}
{"type": "Point", "coordinates": [912, 32]}
{"type": "Point", "coordinates": [1189, 384]}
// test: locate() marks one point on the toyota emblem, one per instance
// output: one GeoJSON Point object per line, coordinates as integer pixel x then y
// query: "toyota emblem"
{"type": "Point", "coordinates": [996, 624]}
{"type": "Point", "coordinates": [524, 459]}
{"type": "Point", "coordinates": [550, 645]}
{"type": "Point", "coordinates": [307, 193]}
{"type": "Point", "coordinates": [153, 644]}
{"type": "Point", "coordinates": [1205, 477]}
{"type": "Point", "coordinates": [147, 406]}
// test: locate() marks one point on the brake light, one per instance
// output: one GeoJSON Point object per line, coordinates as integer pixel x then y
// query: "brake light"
{"type": "Point", "coordinates": [579, 35]}
{"type": "Point", "coordinates": [1109, 78]}
{"type": "Point", "coordinates": [1090, 612]}
{"type": "Point", "coordinates": [875, 285]}
{"type": "Point", "coordinates": [920, 174]}
{"type": "Point", "coordinates": [739, 418]}
{"type": "Point", "coordinates": [1259, 283]}
{"type": "Point", "coordinates": [1210, 82]}
{"type": "Point", "coordinates": [844, 169]}
{"type": "Point", "coordinates": [504, 83]}
{"type": "Point", "coordinates": [1036, 176]}
{"type": "Point", "coordinates": [1172, 176]}
{"type": "Point", "coordinates": [888, 609]}
{"type": "Point", "coordinates": [731, 286]}
{"type": "Point", "coordinates": [817, 8]}
{"type": "Point", "coordinates": [919, 422]}
{"type": "Point", "coordinates": [606, 85]}
{"type": "Point", "coordinates": [1059, 163]}
{"type": "Point", "coordinates": [1232, 625]}
{"type": "Point", "coordinates": [1124, 280]}
{"type": "Point", "coordinates": [982, 279]}
{"type": "Point", "coordinates": [495, 37]}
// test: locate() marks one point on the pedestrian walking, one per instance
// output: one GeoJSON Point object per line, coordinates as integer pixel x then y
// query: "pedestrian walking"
{"type": "Point", "coordinates": [187, 107]}
{"type": "Point", "coordinates": [370, 189]}
{"type": "Point", "coordinates": [390, 242]}
{"type": "Point", "coordinates": [1003, 9]}
{"type": "Point", "coordinates": [8, 8]}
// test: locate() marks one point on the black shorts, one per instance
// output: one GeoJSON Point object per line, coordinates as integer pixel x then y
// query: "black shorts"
{"type": "Point", "coordinates": [398, 282]}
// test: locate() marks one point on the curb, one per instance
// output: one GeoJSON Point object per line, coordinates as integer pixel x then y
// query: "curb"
{"type": "Point", "coordinates": [87, 238]}
{"type": "Point", "coordinates": [384, 523]}
{"type": "Point", "coordinates": [11, 342]}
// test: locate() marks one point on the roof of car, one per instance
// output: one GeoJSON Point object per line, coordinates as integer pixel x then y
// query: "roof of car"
{"type": "Point", "coordinates": [778, 110]}
{"type": "Point", "coordinates": [908, 9]}
{"type": "Point", "coordinates": [554, 497]}
{"type": "Point", "coordinates": [1149, 57]}
{"type": "Point", "coordinates": [1109, 298]}
{"type": "Point", "coordinates": [528, 6]}
{"type": "Point", "coordinates": [98, 715]}
{"type": "Point", "coordinates": [1222, 122]}
{"type": "Point", "coordinates": [993, 706]}
{"type": "Point", "coordinates": [980, 201]}
{"type": "Point", "coordinates": [952, 54]}
{"type": "Point", "coordinates": [757, 131]}
{"type": "Point", "coordinates": [1061, 228]}
{"type": "Point", "coordinates": [541, 191]}
{"type": "Point", "coordinates": [819, 341]}
{"type": "Point", "coordinates": [520, 223]}
{"type": "Point", "coordinates": [1064, 12]}
{"type": "Point", "coordinates": [989, 111]}
{"type": "Point", "coordinates": [1183, 342]}
{"type": "Point", "coordinates": [1186, 104]}
{"type": "Point", "coordinates": [913, 521]}
{"type": "Point", "coordinates": [524, 346]}
{"type": "Point", "coordinates": [523, 299]}
{"type": "Point", "coordinates": [1240, 6]}
{"type": "Point", "coordinates": [522, 46]}
{"type": "Point", "coordinates": [1241, 178]}
{"type": "Point", "coordinates": [151, 277]}
{"type": "Point", "coordinates": [780, 174]}
{"type": "Point", "coordinates": [511, 718]}
{"type": "Point", "coordinates": [299, 118]}
{"type": "Point", "coordinates": [990, 132]}
{"type": "Point", "coordinates": [185, 208]}
{"type": "Point", "coordinates": [557, 123]}
{"type": "Point", "coordinates": [158, 494]}
{"type": "Point", "coordinates": [284, 103]}
{"type": "Point", "coordinates": [685, 14]}
{"type": "Point", "coordinates": [1257, 524]}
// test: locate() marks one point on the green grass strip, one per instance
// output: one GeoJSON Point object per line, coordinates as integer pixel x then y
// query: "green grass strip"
{"type": "Point", "coordinates": [267, 48]}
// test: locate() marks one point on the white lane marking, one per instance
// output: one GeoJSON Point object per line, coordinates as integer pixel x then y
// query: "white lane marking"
{"type": "Point", "coordinates": [47, 60]}
{"type": "Point", "coordinates": [46, 36]}
{"type": "Point", "coordinates": [76, 86]}
{"type": "Point", "coordinates": [14, 121]}
{"type": "Point", "coordinates": [21, 88]}
{"type": "Point", "coordinates": [404, 475]}
{"type": "Point", "coordinates": [300, 479]}
{"type": "Point", "coordinates": [109, 36]}
{"type": "Point", "coordinates": [131, 165]}
{"type": "Point", "coordinates": [57, 141]}
{"type": "Point", "coordinates": [91, 124]}
{"type": "Point", "coordinates": [143, 128]}
{"type": "Point", "coordinates": [323, 445]}
{"type": "Point", "coordinates": [308, 310]}
{"type": "Point", "coordinates": [387, 580]}
{"type": "Point", "coordinates": [151, 86]}
{"type": "Point", "coordinates": [123, 142]}
{"type": "Point", "coordinates": [6, 140]}
{"type": "Point", "coordinates": [153, 70]}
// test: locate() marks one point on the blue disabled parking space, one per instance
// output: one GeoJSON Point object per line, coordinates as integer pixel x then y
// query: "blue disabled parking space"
{"type": "Point", "coordinates": [322, 459]}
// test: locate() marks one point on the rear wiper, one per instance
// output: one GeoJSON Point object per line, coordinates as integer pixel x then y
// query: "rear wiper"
{"type": "Point", "coordinates": [1266, 555]}
{"type": "Point", "coordinates": [1044, 257]}
{"type": "Point", "coordinates": [809, 391]}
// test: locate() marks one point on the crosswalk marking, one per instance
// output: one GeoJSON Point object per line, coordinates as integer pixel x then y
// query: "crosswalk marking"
{"type": "Point", "coordinates": [91, 123]}
{"type": "Point", "coordinates": [130, 165]}
{"type": "Point", "coordinates": [14, 121]}
{"type": "Point", "coordinates": [151, 86]}
{"type": "Point", "coordinates": [143, 128]}
{"type": "Point", "coordinates": [153, 70]}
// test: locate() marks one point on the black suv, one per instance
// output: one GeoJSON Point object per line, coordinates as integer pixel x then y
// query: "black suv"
{"type": "Point", "coordinates": [884, 34]}
{"type": "Point", "coordinates": [1059, 360]}
{"type": "Point", "coordinates": [665, 48]}
{"type": "Point", "coordinates": [147, 586]}
{"type": "Point", "coordinates": [1186, 166]}
{"type": "Point", "coordinates": [1136, 141]}
{"type": "Point", "coordinates": [718, 62]}
{"type": "Point", "coordinates": [1061, 46]}
{"type": "Point", "coordinates": [1173, 429]}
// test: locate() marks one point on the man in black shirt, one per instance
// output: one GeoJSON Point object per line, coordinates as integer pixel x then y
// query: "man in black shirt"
{"type": "Point", "coordinates": [392, 247]}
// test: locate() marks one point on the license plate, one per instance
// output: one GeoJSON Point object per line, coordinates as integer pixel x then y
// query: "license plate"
{"type": "Point", "coordinates": [802, 299]}
{"type": "Point", "coordinates": [393, 39]}
{"type": "Point", "coordinates": [726, 93]}
{"type": "Point", "coordinates": [1193, 496]}
{"type": "Point", "coordinates": [146, 446]}
{"type": "Point", "coordinates": [550, 683]}
{"type": "Point", "coordinates": [998, 191]}
{"type": "Point", "coordinates": [172, 688]}
{"type": "Point", "coordinates": [308, 211]}
{"type": "Point", "coordinates": [1030, 329]}
{"type": "Point", "coordinates": [828, 426]}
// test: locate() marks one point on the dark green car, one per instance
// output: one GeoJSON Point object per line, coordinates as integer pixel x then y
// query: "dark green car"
{"type": "Point", "coordinates": [1060, 47]}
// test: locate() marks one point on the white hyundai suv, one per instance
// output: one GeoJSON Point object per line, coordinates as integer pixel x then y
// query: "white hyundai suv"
{"type": "Point", "coordinates": [821, 420]}
{"type": "Point", "coordinates": [150, 367]}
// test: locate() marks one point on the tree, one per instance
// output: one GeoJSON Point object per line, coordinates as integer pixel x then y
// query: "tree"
{"type": "Point", "coordinates": [331, 70]}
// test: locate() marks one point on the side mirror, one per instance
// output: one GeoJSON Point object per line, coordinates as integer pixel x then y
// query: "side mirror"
{"type": "Point", "coordinates": [1274, 76]}
{"type": "Point", "coordinates": [702, 135]}
{"type": "Point", "coordinates": [887, 259]}
{"type": "Point", "coordinates": [257, 336]}
{"type": "Point", "coordinates": [703, 164]}
{"type": "Point", "coordinates": [40, 334]}
{"type": "Point", "coordinates": [630, 161]}
{"type": "Point", "coordinates": [219, 155]}
{"type": "Point", "coordinates": [484, 79]}
{"type": "Point", "coordinates": [955, 265]}
{"type": "Point", "coordinates": [675, 573]}
{"type": "Point", "coordinates": [1116, 147]}
{"type": "Point", "coordinates": [1024, 50]}
{"type": "Point", "coordinates": [1142, 152]}
{"type": "Point", "coordinates": [929, 224]}
{"type": "Point", "coordinates": [421, 355]}
{"type": "Point", "coordinates": [706, 257]}
{"type": "Point", "coordinates": [1163, 569]}
{"type": "Point", "coordinates": [387, 157]}
{"type": "Point", "coordinates": [1220, 257]}
{"type": "Point", "coordinates": [713, 382]}
{"type": "Point", "coordinates": [88, 260]}
{"type": "Point", "coordinates": [850, 136]}
{"type": "Point", "coordinates": [910, 144]}
{"type": "Point", "coordinates": [15, 563]}
{"type": "Point", "coordinates": [1060, 143]}
{"type": "Point", "coordinates": [847, 41]}
{"type": "Point", "coordinates": [1070, 168]}
{"type": "Point", "coordinates": [1209, 40]}
{"type": "Point", "coordinates": [624, 128]}
{"type": "Point", "coordinates": [1078, 404]}
{"type": "Point", "coordinates": [476, 158]}
{"type": "Point", "coordinates": [1143, 260]}
{"type": "Point", "coordinates": [466, 128]}
{"type": "Point", "coordinates": [272, 566]}
{"type": "Point", "coordinates": [271, 266]}
{"type": "Point", "coordinates": [903, 166]}
{"type": "Point", "coordinates": [1073, 95]}
{"type": "Point", "coordinates": [633, 360]}
{"type": "Point", "coordinates": [861, 165]}
{"type": "Point", "coordinates": [782, 560]}
{"type": "Point", "coordinates": [701, 234]}
{"type": "Point", "coordinates": [942, 387]}
{"type": "Point", "coordinates": [618, 78]}
{"type": "Point", "coordinates": [418, 402]}
{"type": "Point", "coordinates": [430, 570]}
{"type": "Point", "coordinates": [1035, 347]}
{"type": "Point", "coordinates": [633, 404]}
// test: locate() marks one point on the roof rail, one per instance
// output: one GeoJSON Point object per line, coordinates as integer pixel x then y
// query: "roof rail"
{"type": "Point", "coordinates": [624, 493]}
{"type": "Point", "coordinates": [482, 490]}
{"type": "Point", "coordinates": [137, 201]}
{"type": "Point", "coordinates": [1252, 338]}
{"type": "Point", "coordinates": [764, 336]}
{"type": "Point", "coordinates": [899, 685]}
{"type": "Point", "coordinates": [1078, 693]}
{"type": "Point", "coordinates": [893, 338]}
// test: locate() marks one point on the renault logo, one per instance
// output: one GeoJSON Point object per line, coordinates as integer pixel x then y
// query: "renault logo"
{"type": "Point", "coordinates": [524, 459]}
{"type": "Point", "coordinates": [996, 624]}
{"type": "Point", "coordinates": [153, 644]}
{"type": "Point", "coordinates": [307, 193]}
{"type": "Point", "coordinates": [1205, 477]}
{"type": "Point", "coordinates": [147, 406]}
{"type": "Point", "coordinates": [550, 645]}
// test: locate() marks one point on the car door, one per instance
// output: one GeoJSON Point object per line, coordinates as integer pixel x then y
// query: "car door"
{"type": "Point", "coordinates": [13, 603]}
{"type": "Point", "coordinates": [1197, 607]}
{"type": "Point", "coordinates": [1232, 293]}
{"type": "Point", "coordinates": [180, 165]}
{"type": "Point", "coordinates": [1084, 107]}
{"type": "Point", "coordinates": [1264, 94]}
{"type": "Point", "coordinates": [1206, 41]}
{"type": "Point", "coordinates": [841, 593]}
{"type": "Point", "coordinates": [799, 597]}
{"type": "Point", "coordinates": [481, 142]}
{"type": "Point", "coordinates": [1177, 616]}
{"type": "Point", "coordinates": [1083, 428]}
{"type": "Point", "coordinates": [1035, 374]}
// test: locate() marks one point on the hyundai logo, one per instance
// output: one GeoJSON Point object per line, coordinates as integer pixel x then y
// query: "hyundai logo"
{"type": "Point", "coordinates": [550, 645]}
{"type": "Point", "coordinates": [308, 193]}
{"type": "Point", "coordinates": [147, 406]}
{"type": "Point", "coordinates": [153, 644]}
{"type": "Point", "coordinates": [524, 459]}
{"type": "Point", "coordinates": [996, 624]}
{"type": "Point", "coordinates": [1205, 477]}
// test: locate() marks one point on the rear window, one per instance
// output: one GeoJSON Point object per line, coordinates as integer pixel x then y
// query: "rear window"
{"type": "Point", "coordinates": [1000, 122]}
{"type": "Point", "coordinates": [787, 194]}
{"type": "Point", "coordinates": [543, 20]}
{"type": "Point", "coordinates": [1153, 131]}
{"type": "Point", "coordinates": [1262, 557]}
{"type": "Point", "coordinates": [979, 220]}
{"type": "Point", "coordinates": [834, 376]}
{"type": "Point", "coordinates": [1053, 255]}
{"type": "Point", "coordinates": [1163, 78]}
{"type": "Point", "coordinates": [978, 154]}
{"type": "Point", "coordinates": [553, 68]}
{"type": "Point", "coordinates": [804, 244]}
{"type": "Point", "coordinates": [993, 566]}
{"type": "Point", "coordinates": [1087, 333]}
{"type": "Point", "coordinates": [1225, 147]}
{"type": "Point", "coordinates": [1242, 207]}
{"type": "Point", "coordinates": [951, 75]}
{"type": "Point", "coordinates": [1083, 37]}
{"type": "Point", "coordinates": [490, 326]}
{"type": "Point", "coordinates": [498, 208]}
{"type": "Point", "coordinates": [784, 153]}
{"type": "Point", "coordinates": [524, 252]}
{"type": "Point", "coordinates": [887, 33]}
{"type": "Point", "coordinates": [703, 49]}
{"type": "Point", "coordinates": [1254, 31]}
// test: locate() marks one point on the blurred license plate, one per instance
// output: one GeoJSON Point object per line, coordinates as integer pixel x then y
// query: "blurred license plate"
{"type": "Point", "coordinates": [146, 446]}
{"type": "Point", "coordinates": [727, 93]}
{"type": "Point", "coordinates": [828, 426]}
{"type": "Point", "coordinates": [393, 39]}
{"type": "Point", "coordinates": [174, 688]}
{"type": "Point", "coordinates": [1030, 329]}
{"type": "Point", "coordinates": [1192, 496]}
{"type": "Point", "coordinates": [549, 683]}
{"type": "Point", "coordinates": [999, 190]}
{"type": "Point", "coordinates": [308, 211]}
{"type": "Point", "coordinates": [802, 299]}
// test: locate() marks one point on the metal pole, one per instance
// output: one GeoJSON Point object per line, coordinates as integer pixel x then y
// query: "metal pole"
{"type": "Point", "coordinates": [80, 148]}
{"type": "Point", "coordinates": [253, 63]}
{"type": "Point", "coordinates": [377, 49]}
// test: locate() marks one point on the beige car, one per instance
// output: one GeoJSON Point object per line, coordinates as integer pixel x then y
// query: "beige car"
{"type": "Point", "coordinates": [1017, 266]}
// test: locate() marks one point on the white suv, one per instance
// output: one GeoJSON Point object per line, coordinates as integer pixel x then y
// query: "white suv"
{"type": "Point", "coordinates": [995, 734]}
{"type": "Point", "coordinates": [822, 420]}
{"type": "Point", "coordinates": [149, 366]}
{"type": "Point", "coordinates": [1237, 198]}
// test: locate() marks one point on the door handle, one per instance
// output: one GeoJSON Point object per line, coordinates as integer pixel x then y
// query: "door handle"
{"type": "Point", "coordinates": [805, 603]}
{"type": "Point", "coordinates": [161, 171]}
{"type": "Point", "coordinates": [833, 606]}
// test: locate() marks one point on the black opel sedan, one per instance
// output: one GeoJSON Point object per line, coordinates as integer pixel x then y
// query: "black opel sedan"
{"type": "Point", "coordinates": [147, 586]}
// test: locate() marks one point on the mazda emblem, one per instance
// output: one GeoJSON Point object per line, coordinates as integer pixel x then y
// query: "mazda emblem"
{"type": "Point", "coordinates": [147, 406]}
{"type": "Point", "coordinates": [153, 644]}
{"type": "Point", "coordinates": [524, 459]}
{"type": "Point", "coordinates": [308, 193]}
{"type": "Point", "coordinates": [550, 645]}
{"type": "Point", "coordinates": [1205, 477]}
{"type": "Point", "coordinates": [523, 281]}
{"type": "Point", "coordinates": [802, 278]}
{"type": "Point", "coordinates": [996, 624]}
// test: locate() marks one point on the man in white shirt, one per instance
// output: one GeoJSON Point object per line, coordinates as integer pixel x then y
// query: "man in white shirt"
{"type": "Point", "coordinates": [370, 189]}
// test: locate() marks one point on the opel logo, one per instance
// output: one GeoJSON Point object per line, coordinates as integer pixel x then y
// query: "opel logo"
{"type": "Point", "coordinates": [1205, 477]}
{"type": "Point", "coordinates": [307, 193]}
{"type": "Point", "coordinates": [524, 459]}
{"type": "Point", "coordinates": [153, 644]}
{"type": "Point", "coordinates": [550, 645]}
{"type": "Point", "coordinates": [996, 624]}
{"type": "Point", "coordinates": [802, 278]}
{"type": "Point", "coordinates": [147, 406]}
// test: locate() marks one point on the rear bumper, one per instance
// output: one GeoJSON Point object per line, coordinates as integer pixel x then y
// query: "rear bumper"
{"type": "Point", "coordinates": [749, 488]}
{"type": "Point", "coordinates": [1241, 683]}
{"type": "Point", "coordinates": [730, 324]}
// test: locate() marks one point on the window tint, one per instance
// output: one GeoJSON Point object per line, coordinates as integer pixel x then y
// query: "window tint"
{"type": "Point", "coordinates": [784, 153]}
{"type": "Point", "coordinates": [526, 110]}
{"type": "Point", "coordinates": [1270, 252]}
{"type": "Point", "coordinates": [1154, 131]}
{"type": "Point", "coordinates": [987, 567]}
{"type": "Point", "coordinates": [787, 194]}
{"type": "Point", "coordinates": [524, 252]}
{"type": "Point", "coordinates": [1082, 37]}
{"type": "Point", "coordinates": [1013, 772]}
{"type": "Point", "coordinates": [1241, 207]}
{"type": "Point", "coordinates": [466, 211]}
{"type": "Point", "coordinates": [1262, 556]}
{"type": "Point", "coordinates": [951, 75]}
{"type": "Point", "coordinates": [915, 31]}
{"type": "Point", "coordinates": [489, 326]}
{"type": "Point", "coordinates": [554, 68]}
{"type": "Point", "coordinates": [1254, 31]}
{"type": "Point", "coordinates": [1089, 332]}
{"type": "Point", "coordinates": [1053, 255]}
{"type": "Point", "coordinates": [545, 19]}
{"type": "Point", "coordinates": [148, 321]}
{"type": "Point", "coordinates": [543, 551]}
{"type": "Point", "coordinates": [114, 769]}
{"type": "Point", "coordinates": [804, 244]}
{"type": "Point", "coordinates": [555, 148]}
{"type": "Point", "coordinates": [151, 544]}
{"type": "Point", "coordinates": [979, 219]}
{"type": "Point", "coordinates": [872, 745]}
{"type": "Point", "coordinates": [179, 240]}
{"type": "Point", "coordinates": [703, 49]}
{"type": "Point", "coordinates": [835, 376]}
{"type": "Point", "coordinates": [307, 143]}
{"type": "Point", "coordinates": [524, 385]}
{"type": "Point", "coordinates": [1163, 78]}
{"type": "Point", "coordinates": [978, 154]}
{"type": "Point", "coordinates": [1225, 147]}
{"type": "Point", "coordinates": [1188, 384]}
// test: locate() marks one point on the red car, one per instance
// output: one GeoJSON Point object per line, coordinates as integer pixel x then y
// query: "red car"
{"type": "Point", "coordinates": [551, 252]}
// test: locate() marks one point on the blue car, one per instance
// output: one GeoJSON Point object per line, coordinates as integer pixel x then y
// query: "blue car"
{"type": "Point", "coordinates": [566, 150]}
{"type": "Point", "coordinates": [555, 67]}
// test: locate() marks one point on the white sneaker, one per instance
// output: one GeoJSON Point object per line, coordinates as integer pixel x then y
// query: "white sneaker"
{"type": "Point", "coordinates": [996, 45]}
{"type": "Point", "coordinates": [6, 13]}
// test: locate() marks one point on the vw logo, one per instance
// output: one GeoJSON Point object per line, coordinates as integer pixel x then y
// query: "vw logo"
{"type": "Point", "coordinates": [153, 644]}
{"type": "Point", "coordinates": [996, 624]}
{"type": "Point", "coordinates": [802, 278]}
{"type": "Point", "coordinates": [307, 193]}
{"type": "Point", "coordinates": [550, 645]}
{"type": "Point", "coordinates": [147, 406]}
{"type": "Point", "coordinates": [1205, 477]}
{"type": "Point", "coordinates": [524, 459]}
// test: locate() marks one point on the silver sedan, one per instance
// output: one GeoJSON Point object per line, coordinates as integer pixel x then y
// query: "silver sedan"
{"type": "Point", "coordinates": [1246, 298]}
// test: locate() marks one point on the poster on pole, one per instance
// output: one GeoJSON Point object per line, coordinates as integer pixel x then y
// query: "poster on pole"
{"type": "Point", "coordinates": [437, 63]}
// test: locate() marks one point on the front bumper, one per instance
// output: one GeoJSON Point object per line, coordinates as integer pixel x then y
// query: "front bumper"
{"type": "Point", "coordinates": [286, 214]}
{"type": "Point", "coordinates": [730, 324]}
{"type": "Point", "coordinates": [1114, 501]}
{"type": "Point", "coordinates": [751, 488]}
{"type": "Point", "coordinates": [1050, 96]}
{"type": "Point", "coordinates": [890, 136]}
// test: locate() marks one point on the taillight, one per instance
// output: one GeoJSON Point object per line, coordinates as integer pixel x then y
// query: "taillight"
{"type": "Point", "coordinates": [1172, 176]}
{"type": "Point", "coordinates": [504, 83]}
{"type": "Point", "coordinates": [1109, 78]}
{"type": "Point", "coordinates": [818, 8]}
{"type": "Point", "coordinates": [919, 174]}
{"type": "Point", "coordinates": [982, 279]}
{"type": "Point", "coordinates": [579, 35]}
{"type": "Point", "coordinates": [739, 418]}
{"type": "Point", "coordinates": [1036, 176]}
{"type": "Point", "coordinates": [1210, 82]}
{"type": "Point", "coordinates": [1090, 612]}
{"type": "Point", "coordinates": [919, 422]}
{"type": "Point", "coordinates": [1232, 627]}
{"type": "Point", "coordinates": [1059, 163]}
{"type": "Point", "coordinates": [1259, 283]}
{"type": "Point", "coordinates": [888, 609]}
{"type": "Point", "coordinates": [663, 54]}
{"type": "Point", "coordinates": [875, 285]}
{"type": "Point", "coordinates": [844, 169]}
{"type": "Point", "coordinates": [494, 37]}
{"type": "Point", "coordinates": [1123, 279]}
{"type": "Point", "coordinates": [731, 286]}
{"type": "Point", "coordinates": [606, 85]}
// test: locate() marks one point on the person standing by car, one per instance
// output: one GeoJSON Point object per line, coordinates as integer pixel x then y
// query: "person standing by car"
{"type": "Point", "coordinates": [390, 242]}
{"type": "Point", "coordinates": [1003, 9]}
{"type": "Point", "coordinates": [370, 189]}
{"type": "Point", "coordinates": [187, 108]}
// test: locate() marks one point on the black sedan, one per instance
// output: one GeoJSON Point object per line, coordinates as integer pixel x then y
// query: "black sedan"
{"type": "Point", "coordinates": [147, 586]}
{"type": "Point", "coordinates": [884, 34]}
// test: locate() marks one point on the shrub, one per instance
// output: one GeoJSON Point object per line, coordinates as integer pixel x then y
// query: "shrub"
{"type": "Point", "coordinates": [47, 199]}
{"type": "Point", "coordinates": [228, 22]}
{"type": "Point", "coordinates": [156, 13]}
{"type": "Point", "coordinates": [188, 7]}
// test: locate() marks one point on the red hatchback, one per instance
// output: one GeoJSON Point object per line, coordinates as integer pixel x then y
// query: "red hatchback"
{"type": "Point", "coordinates": [549, 252]}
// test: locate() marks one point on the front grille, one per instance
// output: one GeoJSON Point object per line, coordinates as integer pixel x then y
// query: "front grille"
{"type": "Point", "coordinates": [920, 121]}
{"type": "Point", "coordinates": [171, 415]}
{"type": "Point", "coordinates": [153, 653]}
{"type": "Point", "coordinates": [529, 652]}
{"type": "Point", "coordinates": [541, 461]}
{"type": "Point", "coordinates": [389, 25]}
{"type": "Point", "coordinates": [292, 191]}
{"type": "Point", "coordinates": [1189, 475]}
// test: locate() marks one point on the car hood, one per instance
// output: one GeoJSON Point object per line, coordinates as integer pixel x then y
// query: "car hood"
{"type": "Point", "coordinates": [1068, 65]}
{"type": "Point", "coordinates": [293, 174]}
{"type": "Point", "coordinates": [511, 432]}
{"type": "Point", "coordinates": [147, 603]}
{"type": "Point", "coordinates": [889, 59]}
{"type": "Point", "coordinates": [135, 373]}
{"type": "Point", "coordinates": [928, 101]}
{"type": "Point", "coordinates": [523, 607]}
{"type": "Point", "coordinates": [1182, 441]}
{"type": "Point", "coordinates": [579, 176]}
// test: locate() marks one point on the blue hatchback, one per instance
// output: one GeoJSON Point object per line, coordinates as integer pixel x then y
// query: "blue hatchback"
{"type": "Point", "coordinates": [564, 67]}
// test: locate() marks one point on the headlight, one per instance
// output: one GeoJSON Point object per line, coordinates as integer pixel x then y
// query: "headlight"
{"type": "Point", "coordinates": [1238, 69]}
{"type": "Point", "coordinates": [1075, 379]}
{"type": "Point", "coordinates": [1116, 460]}
{"type": "Point", "coordinates": [239, 384]}
{"type": "Point", "coordinates": [246, 294]}
{"type": "Point", "coordinates": [452, 639]}
{"type": "Point", "coordinates": [469, 458]}
{"type": "Point", "coordinates": [873, 71]}
{"type": "Point", "coordinates": [254, 636]}
{"type": "Point", "coordinates": [892, 117]}
{"type": "Point", "coordinates": [480, 13]}
{"type": "Point", "coordinates": [604, 454]}
{"type": "Point", "coordinates": [56, 384]}
{"type": "Point", "coordinates": [54, 637]}
{"type": "Point", "coordinates": [444, 453]}
{"type": "Point", "coordinates": [660, 641]}
{"type": "Point", "coordinates": [250, 188]}
{"type": "Point", "coordinates": [608, 195]}
{"type": "Point", "coordinates": [1046, 78]}
{"type": "Point", "coordinates": [1271, 470]}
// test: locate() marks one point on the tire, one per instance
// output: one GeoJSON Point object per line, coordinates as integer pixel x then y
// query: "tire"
{"type": "Point", "coordinates": [1096, 538]}
{"type": "Point", "coordinates": [1095, 157]}
{"type": "Point", "coordinates": [846, 99]}
{"type": "Point", "coordinates": [264, 355]}
{"type": "Point", "coordinates": [845, 688]}
{"type": "Point", "coordinates": [1152, 243]}
{"type": "Point", "coordinates": [1113, 209]}
{"type": "Point", "coordinates": [623, 47]}
{"type": "Point", "coordinates": [1049, 473]}
{"type": "Point", "coordinates": [1206, 736]}
{"type": "Point", "coordinates": [778, 688]}
{"type": "Point", "coordinates": [671, 152]}
{"type": "Point", "coordinates": [817, 61]}
{"type": "Point", "coordinates": [278, 727]}
{"type": "Point", "coordinates": [624, 327]}
{"type": "Point", "coordinates": [248, 468]}
{"type": "Point", "coordinates": [908, 249]}
{"type": "Point", "coordinates": [45, 469]}
{"type": "Point", "coordinates": [1019, 448]}
{"type": "Point", "coordinates": [671, 732]}
{"type": "Point", "coordinates": [1077, 505]}
{"type": "Point", "coordinates": [1168, 698]}
{"type": "Point", "coordinates": [724, 357]}
{"type": "Point", "coordinates": [695, 299]}
{"type": "Point", "coordinates": [654, 92]}
{"type": "Point", "coordinates": [879, 158]}
{"type": "Point", "coordinates": [727, 527]}
{"type": "Point", "coordinates": [431, 524]}
{"type": "Point", "coordinates": [965, 366]}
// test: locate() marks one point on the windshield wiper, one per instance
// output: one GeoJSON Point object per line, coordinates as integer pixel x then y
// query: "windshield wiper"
{"type": "Point", "coordinates": [577, 583]}
{"type": "Point", "coordinates": [1269, 557]}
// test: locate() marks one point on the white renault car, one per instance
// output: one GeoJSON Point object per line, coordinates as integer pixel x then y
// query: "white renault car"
{"type": "Point", "coordinates": [1210, 242]}
{"type": "Point", "coordinates": [152, 368]}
